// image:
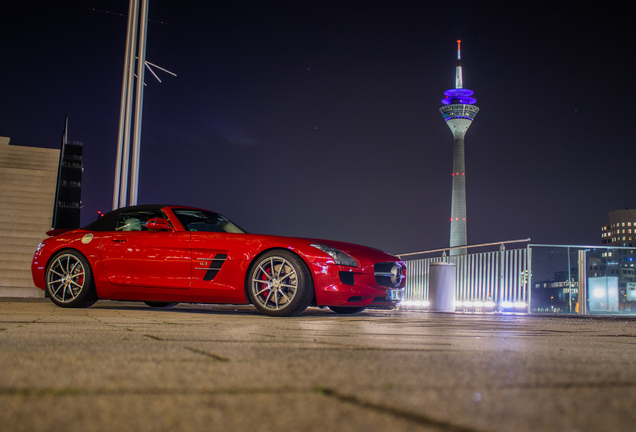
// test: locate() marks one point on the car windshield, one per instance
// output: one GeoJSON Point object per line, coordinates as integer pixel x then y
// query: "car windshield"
{"type": "Point", "coordinates": [207, 221]}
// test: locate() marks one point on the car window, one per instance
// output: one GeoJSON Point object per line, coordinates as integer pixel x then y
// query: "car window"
{"type": "Point", "coordinates": [136, 220]}
{"type": "Point", "coordinates": [207, 221]}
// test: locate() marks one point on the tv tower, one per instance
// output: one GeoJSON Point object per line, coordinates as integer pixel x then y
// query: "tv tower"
{"type": "Point", "coordinates": [459, 112]}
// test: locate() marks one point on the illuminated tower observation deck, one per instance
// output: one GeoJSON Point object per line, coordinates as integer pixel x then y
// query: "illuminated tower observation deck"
{"type": "Point", "coordinates": [459, 112]}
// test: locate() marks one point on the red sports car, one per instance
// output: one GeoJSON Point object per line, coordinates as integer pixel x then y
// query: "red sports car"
{"type": "Point", "coordinates": [164, 254]}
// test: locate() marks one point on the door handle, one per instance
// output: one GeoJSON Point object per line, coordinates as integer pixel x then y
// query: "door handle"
{"type": "Point", "coordinates": [119, 239]}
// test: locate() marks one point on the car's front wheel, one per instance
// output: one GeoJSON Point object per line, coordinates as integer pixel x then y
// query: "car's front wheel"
{"type": "Point", "coordinates": [280, 284]}
{"type": "Point", "coordinates": [69, 280]}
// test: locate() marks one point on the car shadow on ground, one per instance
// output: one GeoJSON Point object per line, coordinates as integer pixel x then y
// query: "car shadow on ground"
{"type": "Point", "coordinates": [221, 309]}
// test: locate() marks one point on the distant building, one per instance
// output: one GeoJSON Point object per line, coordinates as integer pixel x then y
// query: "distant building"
{"type": "Point", "coordinates": [621, 229]}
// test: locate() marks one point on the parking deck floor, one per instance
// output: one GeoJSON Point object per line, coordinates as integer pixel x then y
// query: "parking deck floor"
{"type": "Point", "coordinates": [126, 367]}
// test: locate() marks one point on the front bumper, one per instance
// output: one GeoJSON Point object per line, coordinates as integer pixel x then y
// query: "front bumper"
{"type": "Point", "coordinates": [353, 286]}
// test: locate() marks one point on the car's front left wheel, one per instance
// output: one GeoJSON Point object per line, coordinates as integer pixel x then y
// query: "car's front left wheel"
{"type": "Point", "coordinates": [280, 284]}
{"type": "Point", "coordinates": [69, 280]}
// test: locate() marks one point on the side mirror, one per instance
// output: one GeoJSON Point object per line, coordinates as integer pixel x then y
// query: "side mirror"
{"type": "Point", "coordinates": [158, 224]}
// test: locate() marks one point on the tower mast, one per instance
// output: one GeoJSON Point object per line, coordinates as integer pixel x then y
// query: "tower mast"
{"type": "Point", "coordinates": [459, 112]}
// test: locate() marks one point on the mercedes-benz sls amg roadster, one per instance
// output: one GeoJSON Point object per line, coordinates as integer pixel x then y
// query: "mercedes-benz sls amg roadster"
{"type": "Point", "coordinates": [163, 255]}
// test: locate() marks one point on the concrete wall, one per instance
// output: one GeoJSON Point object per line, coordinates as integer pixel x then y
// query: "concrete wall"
{"type": "Point", "coordinates": [28, 177]}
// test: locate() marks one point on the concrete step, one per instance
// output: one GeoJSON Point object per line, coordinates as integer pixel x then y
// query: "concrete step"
{"type": "Point", "coordinates": [30, 165]}
{"type": "Point", "coordinates": [17, 209]}
{"type": "Point", "coordinates": [16, 149]}
{"type": "Point", "coordinates": [26, 174]}
{"type": "Point", "coordinates": [42, 193]}
{"type": "Point", "coordinates": [17, 278]}
{"type": "Point", "coordinates": [25, 230]}
{"type": "Point", "coordinates": [6, 234]}
{"type": "Point", "coordinates": [19, 161]}
{"type": "Point", "coordinates": [29, 155]}
{"type": "Point", "coordinates": [12, 205]}
{"type": "Point", "coordinates": [27, 200]}
{"type": "Point", "coordinates": [17, 241]}
{"type": "Point", "coordinates": [10, 236]}
{"type": "Point", "coordinates": [15, 261]}
{"type": "Point", "coordinates": [25, 149]}
{"type": "Point", "coordinates": [25, 183]}
{"type": "Point", "coordinates": [34, 152]}
{"type": "Point", "coordinates": [16, 186]}
{"type": "Point", "coordinates": [30, 218]}
{"type": "Point", "coordinates": [18, 248]}
{"type": "Point", "coordinates": [18, 212]}
{"type": "Point", "coordinates": [21, 292]}
{"type": "Point", "coordinates": [29, 183]}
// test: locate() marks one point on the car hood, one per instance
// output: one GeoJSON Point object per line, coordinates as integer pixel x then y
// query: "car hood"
{"type": "Point", "coordinates": [349, 248]}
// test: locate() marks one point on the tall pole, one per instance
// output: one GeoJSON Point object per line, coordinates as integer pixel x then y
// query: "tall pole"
{"type": "Point", "coordinates": [123, 138]}
{"type": "Point", "coordinates": [139, 99]}
{"type": "Point", "coordinates": [123, 193]}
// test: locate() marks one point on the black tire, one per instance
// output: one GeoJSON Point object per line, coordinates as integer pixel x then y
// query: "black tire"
{"type": "Point", "coordinates": [163, 305]}
{"type": "Point", "coordinates": [69, 280]}
{"type": "Point", "coordinates": [279, 284]}
{"type": "Point", "coordinates": [347, 310]}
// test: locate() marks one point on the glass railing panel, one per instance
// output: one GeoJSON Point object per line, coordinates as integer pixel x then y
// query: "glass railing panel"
{"type": "Point", "coordinates": [611, 280]}
{"type": "Point", "coordinates": [554, 287]}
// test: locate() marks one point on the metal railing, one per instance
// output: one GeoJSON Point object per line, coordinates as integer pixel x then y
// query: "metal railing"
{"type": "Point", "coordinates": [496, 277]}
{"type": "Point", "coordinates": [570, 279]}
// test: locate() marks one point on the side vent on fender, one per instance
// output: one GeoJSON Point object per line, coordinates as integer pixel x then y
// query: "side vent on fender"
{"type": "Point", "coordinates": [215, 265]}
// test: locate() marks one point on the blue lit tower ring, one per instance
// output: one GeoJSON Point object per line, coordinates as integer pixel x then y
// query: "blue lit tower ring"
{"type": "Point", "coordinates": [459, 111]}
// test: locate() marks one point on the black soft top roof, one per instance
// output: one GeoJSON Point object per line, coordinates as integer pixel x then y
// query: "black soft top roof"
{"type": "Point", "coordinates": [109, 220]}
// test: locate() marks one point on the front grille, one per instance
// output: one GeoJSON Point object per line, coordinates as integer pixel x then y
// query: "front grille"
{"type": "Point", "coordinates": [389, 274]}
{"type": "Point", "coordinates": [347, 278]}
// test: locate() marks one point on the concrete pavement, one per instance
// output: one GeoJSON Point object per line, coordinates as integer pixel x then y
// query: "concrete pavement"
{"type": "Point", "coordinates": [122, 366]}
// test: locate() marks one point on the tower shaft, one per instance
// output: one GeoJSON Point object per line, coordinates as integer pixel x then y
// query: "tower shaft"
{"type": "Point", "coordinates": [458, 231]}
{"type": "Point", "coordinates": [459, 112]}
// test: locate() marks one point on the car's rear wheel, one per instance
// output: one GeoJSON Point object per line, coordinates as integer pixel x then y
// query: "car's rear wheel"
{"type": "Point", "coordinates": [347, 310]}
{"type": "Point", "coordinates": [164, 305]}
{"type": "Point", "coordinates": [280, 284]}
{"type": "Point", "coordinates": [69, 280]}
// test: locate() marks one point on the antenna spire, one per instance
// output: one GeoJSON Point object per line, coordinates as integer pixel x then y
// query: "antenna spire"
{"type": "Point", "coordinates": [458, 70]}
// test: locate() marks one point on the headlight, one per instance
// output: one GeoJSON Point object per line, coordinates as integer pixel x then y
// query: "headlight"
{"type": "Point", "coordinates": [40, 246]}
{"type": "Point", "coordinates": [339, 257]}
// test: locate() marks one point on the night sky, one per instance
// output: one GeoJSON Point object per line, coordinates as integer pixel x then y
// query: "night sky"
{"type": "Point", "coordinates": [320, 119]}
